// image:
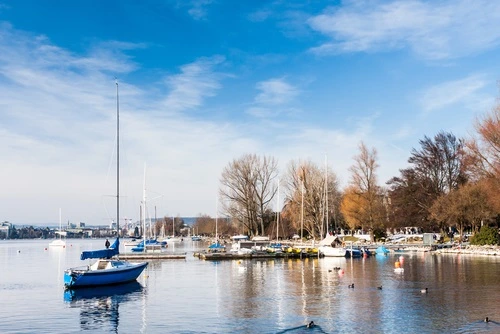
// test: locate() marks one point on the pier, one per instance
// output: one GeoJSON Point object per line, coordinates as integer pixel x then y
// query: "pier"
{"type": "Point", "coordinates": [152, 256]}
{"type": "Point", "coordinates": [235, 256]}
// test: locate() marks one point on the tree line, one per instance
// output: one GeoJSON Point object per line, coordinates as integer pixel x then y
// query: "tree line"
{"type": "Point", "coordinates": [451, 183]}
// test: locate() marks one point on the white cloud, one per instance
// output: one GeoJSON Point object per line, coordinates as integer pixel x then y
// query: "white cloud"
{"type": "Point", "coordinates": [275, 98]}
{"type": "Point", "coordinates": [260, 15]}
{"type": "Point", "coordinates": [195, 82]}
{"type": "Point", "coordinates": [463, 91]}
{"type": "Point", "coordinates": [57, 126]}
{"type": "Point", "coordinates": [198, 8]}
{"type": "Point", "coordinates": [275, 92]}
{"type": "Point", "coordinates": [433, 30]}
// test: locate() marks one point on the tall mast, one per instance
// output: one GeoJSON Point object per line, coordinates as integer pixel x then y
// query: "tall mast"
{"type": "Point", "coordinates": [278, 213]}
{"type": "Point", "coordinates": [144, 211]}
{"type": "Point", "coordinates": [216, 216]}
{"type": "Point", "coordinates": [326, 194]}
{"type": "Point", "coordinates": [117, 162]}
{"type": "Point", "coordinates": [302, 214]}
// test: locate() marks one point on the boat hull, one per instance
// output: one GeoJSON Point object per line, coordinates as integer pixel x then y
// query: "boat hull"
{"type": "Point", "coordinates": [86, 277]}
{"type": "Point", "coordinates": [58, 243]}
{"type": "Point", "coordinates": [353, 253]}
{"type": "Point", "coordinates": [332, 251]}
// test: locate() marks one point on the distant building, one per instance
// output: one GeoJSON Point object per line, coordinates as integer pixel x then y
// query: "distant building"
{"type": "Point", "coordinates": [5, 230]}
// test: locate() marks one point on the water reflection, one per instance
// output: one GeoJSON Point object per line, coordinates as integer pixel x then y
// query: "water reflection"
{"type": "Point", "coordinates": [99, 307]}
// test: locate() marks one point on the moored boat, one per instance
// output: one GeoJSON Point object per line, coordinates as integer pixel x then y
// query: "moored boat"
{"type": "Point", "coordinates": [108, 269]}
{"type": "Point", "coordinates": [331, 246]}
{"type": "Point", "coordinates": [59, 242]}
{"type": "Point", "coordinates": [105, 271]}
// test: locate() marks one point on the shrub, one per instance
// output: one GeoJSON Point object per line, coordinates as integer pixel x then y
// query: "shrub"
{"type": "Point", "coordinates": [379, 234]}
{"type": "Point", "coordinates": [486, 236]}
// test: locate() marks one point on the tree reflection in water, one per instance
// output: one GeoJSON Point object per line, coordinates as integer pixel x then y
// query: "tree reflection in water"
{"type": "Point", "coordinates": [99, 306]}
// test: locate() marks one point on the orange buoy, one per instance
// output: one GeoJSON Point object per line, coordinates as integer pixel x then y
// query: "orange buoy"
{"type": "Point", "coordinates": [397, 264]}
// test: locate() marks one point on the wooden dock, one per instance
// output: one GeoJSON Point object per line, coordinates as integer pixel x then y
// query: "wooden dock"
{"type": "Point", "coordinates": [234, 256]}
{"type": "Point", "coordinates": [152, 256]}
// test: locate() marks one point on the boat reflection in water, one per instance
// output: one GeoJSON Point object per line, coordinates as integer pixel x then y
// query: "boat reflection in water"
{"type": "Point", "coordinates": [99, 306]}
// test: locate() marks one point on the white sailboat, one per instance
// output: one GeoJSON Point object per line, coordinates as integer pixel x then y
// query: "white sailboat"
{"type": "Point", "coordinates": [148, 243]}
{"type": "Point", "coordinates": [331, 245]}
{"type": "Point", "coordinates": [59, 242]}
{"type": "Point", "coordinates": [172, 238]}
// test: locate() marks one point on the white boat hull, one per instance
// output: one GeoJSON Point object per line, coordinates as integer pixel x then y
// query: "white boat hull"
{"type": "Point", "coordinates": [332, 251]}
{"type": "Point", "coordinates": [58, 243]}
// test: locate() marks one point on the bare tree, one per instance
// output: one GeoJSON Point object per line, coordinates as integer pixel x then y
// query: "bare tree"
{"type": "Point", "coordinates": [440, 161]}
{"type": "Point", "coordinates": [305, 198]}
{"type": "Point", "coordinates": [247, 190]}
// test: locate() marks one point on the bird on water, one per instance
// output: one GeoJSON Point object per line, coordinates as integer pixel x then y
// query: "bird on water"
{"type": "Point", "coordinates": [424, 290]}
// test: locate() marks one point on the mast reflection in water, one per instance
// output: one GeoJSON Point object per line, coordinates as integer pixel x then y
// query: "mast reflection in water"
{"type": "Point", "coordinates": [99, 307]}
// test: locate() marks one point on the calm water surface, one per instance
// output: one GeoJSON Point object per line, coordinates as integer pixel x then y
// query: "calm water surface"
{"type": "Point", "coordinates": [252, 296]}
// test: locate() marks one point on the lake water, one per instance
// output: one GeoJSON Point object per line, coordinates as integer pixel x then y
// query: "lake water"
{"type": "Point", "coordinates": [251, 296]}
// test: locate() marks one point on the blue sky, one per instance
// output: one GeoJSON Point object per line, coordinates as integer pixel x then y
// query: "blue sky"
{"type": "Point", "coordinates": [203, 82]}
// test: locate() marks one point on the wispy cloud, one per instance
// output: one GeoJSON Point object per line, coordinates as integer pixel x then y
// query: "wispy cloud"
{"type": "Point", "coordinates": [275, 91]}
{"type": "Point", "coordinates": [260, 15]}
{"type": "Point", "coordinates": [433, 30]}
{"type": "Point", "coordinates": [274, 97]}
{"type": "Point", "coordinates": [198, 8]}
{"type": "Point", "coordinates": [195, 82]}
{"type": "Point", "coordinates": [57, 115]}
{"type": "Point", "coordinates": [463, 91]}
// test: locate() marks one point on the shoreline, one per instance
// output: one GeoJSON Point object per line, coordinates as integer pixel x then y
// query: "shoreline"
{"type": "Point", "coordinates": [471, 250]}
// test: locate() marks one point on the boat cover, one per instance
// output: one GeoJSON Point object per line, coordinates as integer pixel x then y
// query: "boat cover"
{"type": "Point", "coordinates": [381, 250]}
{"type": "Point", "coordinates": [329, 240]}
{"type": "Point", "coordinates": [216, 245]}
{"type": "Point", "coordinates": [103, 253]}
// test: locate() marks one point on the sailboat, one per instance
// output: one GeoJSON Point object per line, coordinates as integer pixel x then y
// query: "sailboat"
{"type": "Point", "coordinates": [59, 242]}
{"type": "Point", "coordinates": [146, 244]}
{"type": "Point", "coordinates": [276, 246]}
{"type": "Point", "coordinates": [172, 238]}
{"type": "Point", "coordinates": [331, 245]}
{"type": "Point", "coordinates": [216, 246]}
{"type": "Point", "coordinates": [108, 269]}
